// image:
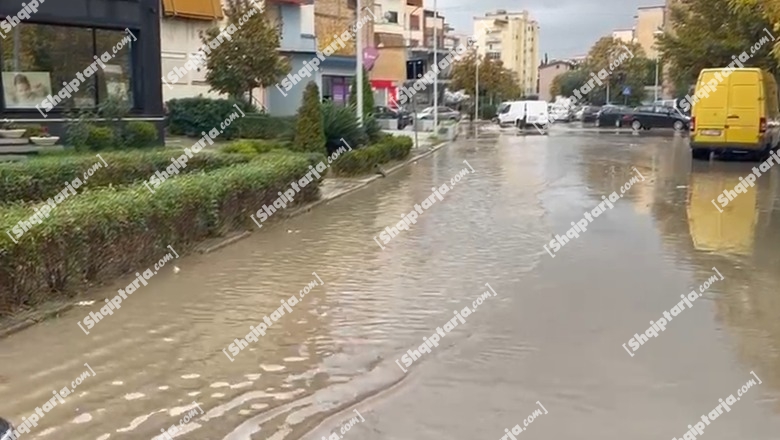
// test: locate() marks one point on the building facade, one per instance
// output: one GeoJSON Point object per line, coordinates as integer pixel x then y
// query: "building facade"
{"type": "Point", "coordinates": [649, 19]}
{"type": "Point", "coordinates": [548, 72]}
{"type": "Point", "coordinates": [513, 38]}
{"type": "Point", "coordinates": [388, 71]}
{"type": "Point", "coordinates": [59, 43]}
{"type": "Point", "coordinates": [624, 35]}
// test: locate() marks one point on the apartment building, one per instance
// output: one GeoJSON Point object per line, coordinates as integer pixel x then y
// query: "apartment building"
{"type": "Point", "coordinates": [388, 71]}
{"type": "Point", "coordinates": [649, 19]}
{"type": "Point", "coordinates": [513, 38]}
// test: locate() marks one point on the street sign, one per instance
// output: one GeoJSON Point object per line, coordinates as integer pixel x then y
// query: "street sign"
{"type": "Point", "coordinates": [626, 91]}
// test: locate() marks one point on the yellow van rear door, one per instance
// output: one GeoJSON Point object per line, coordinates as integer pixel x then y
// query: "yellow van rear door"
{"type": "Point", "coordinates": [710, 111]}
{"type": "Point", "coordinates": [743, 116]}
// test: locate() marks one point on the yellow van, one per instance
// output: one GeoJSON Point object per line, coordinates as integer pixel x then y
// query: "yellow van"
{"type": "Point", "coordinates": [737, 111]}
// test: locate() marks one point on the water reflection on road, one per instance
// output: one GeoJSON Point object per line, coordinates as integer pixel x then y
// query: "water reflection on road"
{"type": "Point", "coordinates": [552, 334]}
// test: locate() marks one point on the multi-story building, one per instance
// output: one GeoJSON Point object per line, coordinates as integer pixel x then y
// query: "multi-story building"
{"type": "Point", "coordinates": [548, 72]}
{"type": "Point", "coordinates": [649, 19]}
{"type": "Point", "coordinates": [513, 38]}
{"type": "Point", "coordinates": [389, 68]}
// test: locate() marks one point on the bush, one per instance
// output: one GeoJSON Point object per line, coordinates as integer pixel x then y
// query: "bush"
{"type": "Point", "coordinates": [42, 178]}
{"type": "Point", "coordinates": [103, 234]}
{"type": "Point", "coordinates": [341, 122]}
{"type": "Point", "coordinates": [33, 130]}
{"type": "Point", "coordinates": [309, 131]}
{"type": "Point", "coordinates": [364, 160]}
{"type": "Point", "coordinates": [139, 134]}
{"type": "Point", "coordinates": [252, 146]}
{"type": "Point", "coordinates": [99, 139]}
{"type": "Point", "coordinates": [191, 116]}
{"type": "Point", "coordinates": [262, 126]}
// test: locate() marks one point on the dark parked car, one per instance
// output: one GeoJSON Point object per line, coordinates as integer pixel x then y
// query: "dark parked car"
{"type": "Point", "coordinates": [647, 117]}
{"type": "Point", "coordinates": [404, 118]}
{"type": "Point", "coordinates": [611, 116]}
{"type": "Point", "coordinates": [589, 113]}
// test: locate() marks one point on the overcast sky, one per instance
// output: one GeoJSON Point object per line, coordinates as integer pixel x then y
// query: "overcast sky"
{"type": "Point", "coordinates": [568, 27]}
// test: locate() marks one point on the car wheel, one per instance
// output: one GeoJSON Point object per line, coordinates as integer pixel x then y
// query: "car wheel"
{"type": "Point", "coordinates": [700, 154]}
{"type": "Point", "coordinates": [598, 122]}
{"type": "Point", "coordinates": [636, 125]}
{"type": "Point", "coordinates": [678, 125]}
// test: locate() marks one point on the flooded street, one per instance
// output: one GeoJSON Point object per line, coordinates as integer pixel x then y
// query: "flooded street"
{"type": "Point", "coordinates": [553, 333]}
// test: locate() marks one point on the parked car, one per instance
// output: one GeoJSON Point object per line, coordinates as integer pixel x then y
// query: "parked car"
{"type": "Point", "coordinates": [404, 118]}
{"type": "Point", "coordinates": [649, 116]}
{"type": "Point", "coordinates": [741, 115]}
{"type": "Point", "coordinates": [445, 114]}
{"type": "Point", "coordinates": [611, 116]}
{"type": "Point", "coordinates": [588, 113]}
{"type": "Point", "coordinates": [560, 113]}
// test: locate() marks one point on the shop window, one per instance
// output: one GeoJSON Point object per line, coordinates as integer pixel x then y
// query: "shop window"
{"type": "Point", "coordinates": [37, 59]}
{"type": "Point", "coordinates": [194, 9]}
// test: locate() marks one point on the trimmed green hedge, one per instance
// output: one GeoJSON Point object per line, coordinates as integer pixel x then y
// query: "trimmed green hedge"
{"type": "Point", "coordinates": [364, 160]}
{"type": "Point", "coordinates": [191, 116]}
{"type": "Point", "coordinates": [41, 178]}
{"type": "Point", "coordinates": [263, 126]}
{"type": "Point", "coordinates": [103, 234]}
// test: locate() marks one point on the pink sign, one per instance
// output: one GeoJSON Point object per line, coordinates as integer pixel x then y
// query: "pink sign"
{"type": "Point", "coordinates": [370, 54]}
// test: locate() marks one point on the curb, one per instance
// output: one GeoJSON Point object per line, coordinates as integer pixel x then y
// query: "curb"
{"type": "Point", "coordinates": [44, 315]}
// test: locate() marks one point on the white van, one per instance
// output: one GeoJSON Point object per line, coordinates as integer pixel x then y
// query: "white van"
{"type": "Point", "coordinates": [523, 114]}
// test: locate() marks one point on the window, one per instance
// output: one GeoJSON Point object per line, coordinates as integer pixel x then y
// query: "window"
{"type": "Point", "coordinates": [493, 55]}
{"type": "Point", "coordinates": [414, 22]}
{"type": "Point", "coordinates": [38, 58]}
{"type": "Point", "coordinates": [194, 9]}
{"type": "Point", "coordinates": [392, 17]}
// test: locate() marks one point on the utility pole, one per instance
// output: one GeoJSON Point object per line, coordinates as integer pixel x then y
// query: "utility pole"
{"type": "Point", "coordinates": [435, 69]}
{"type": "Point", "coordinates": [359, 57]}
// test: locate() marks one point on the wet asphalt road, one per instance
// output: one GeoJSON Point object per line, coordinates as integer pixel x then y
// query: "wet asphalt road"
{"type": "Point", "coordinates": [553, 334]}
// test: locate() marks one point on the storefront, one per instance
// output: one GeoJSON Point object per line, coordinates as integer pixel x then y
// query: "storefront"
{"type": "Point", "coordinates": [337, 73]}
{"type": "Point", "coordinates": [74, 55]}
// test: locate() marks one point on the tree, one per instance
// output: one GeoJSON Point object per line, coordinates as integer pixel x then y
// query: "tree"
{"type": "Point", "coordinates": [309, 129]}
{"type": "Point", "coordinates": [496, 82]}
{"type": "Point", "coordinates": [368, 95]}
{"type": "Point", "coordinates": [770, 9]}
{"type": "Point", "coordinates": [707, 33]}
{"type": "Point", "coordinates": [565, 83]}
{"type": "Point", "coordinates": [250, 58]}
{"type": "Point", "coordinates": [624, 65]}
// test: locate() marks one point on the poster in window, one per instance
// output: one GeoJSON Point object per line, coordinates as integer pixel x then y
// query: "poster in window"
{"type": "Point", "coordinates": [116, 85]}
{"type": "Point", "coordinates": [25, 89]}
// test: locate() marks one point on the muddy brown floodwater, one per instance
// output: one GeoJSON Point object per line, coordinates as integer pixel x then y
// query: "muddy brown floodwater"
{"type": "Point", "coordinates": [553, 334]}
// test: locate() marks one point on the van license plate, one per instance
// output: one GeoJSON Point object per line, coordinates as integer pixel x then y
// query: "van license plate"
{"type": "Point", "coordinates": [710, 132]}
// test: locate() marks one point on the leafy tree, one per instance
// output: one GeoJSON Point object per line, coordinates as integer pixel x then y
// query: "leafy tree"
{"type": "Point", "coordinates": [707, 33]}
{"type": "Point", "coordinates": [496, 83]}
{"type": "Point", "coordinates": [249, 59]}
{"type": "Point", "coordinates": [309, 130]}
{"type": "Point", "coordinates": [368, 95]}
{"type": "Point", "coordinates": [625, 65]}
{"type": "Point", "coordinates": [770, 9]}
{"type": "Point", "coordinates": [565, 83]}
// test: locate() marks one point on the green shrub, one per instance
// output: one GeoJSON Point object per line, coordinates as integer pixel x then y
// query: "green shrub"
{"type": "Point", "coordinates": [309, 131]}
{"type": "Point", "coordinates": [341, 123]}
{"type": "Point", "coordinates": [364, 160]}
{"type": "Point", "coordinates": [100, 138]}
{"type": "Point", "coordinates": [41, 178]}
{"type": "Point", "coordinates": [139, 134]}
{"type": "Point", "coordinates": [191, 116]}
{"type": "Point", "coordinates": [106, 233]}
{"type": "Point", "coordinates": [263, 126]}
{"type": "Point", "coordinates": [253, 146]}
{"type": "Point", "coordinates": [34, 130]}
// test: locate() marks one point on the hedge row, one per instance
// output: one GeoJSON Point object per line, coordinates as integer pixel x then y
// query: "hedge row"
{"type": "Point", "coordinates": [103, 234]}
{"type": "Point", "coordinates": [41, 178]}
{"type": "Point", "coordinates": [364, 160]}
{"type": "Point", "coordinates": [262, 126]}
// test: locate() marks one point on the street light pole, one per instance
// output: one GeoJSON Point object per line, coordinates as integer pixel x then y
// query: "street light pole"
{"type": "Point", "coordinates": [655, 89]}
{"type": "Point", "coordinates": [476, 90]}
{"type": "Point", "coordinates": [359, 64]}
{"type": "Point", "coordinates": [435, 70]}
